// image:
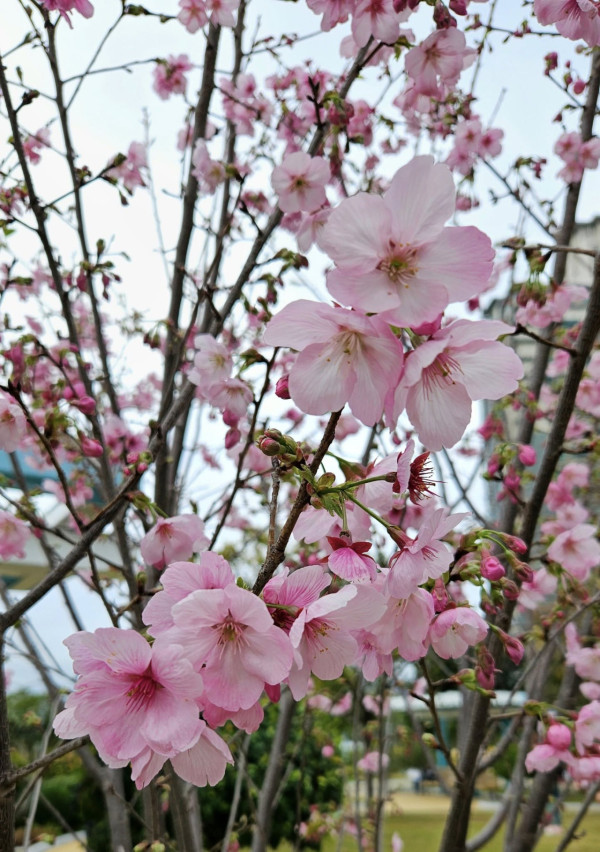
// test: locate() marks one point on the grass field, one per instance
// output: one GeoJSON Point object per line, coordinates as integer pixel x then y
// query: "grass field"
{"type": "Point", "coordinates": [420, 823]}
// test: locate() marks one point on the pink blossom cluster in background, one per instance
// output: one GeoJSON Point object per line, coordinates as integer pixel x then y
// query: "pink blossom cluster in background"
{"type": "Point", "coordinates": [577, 155]}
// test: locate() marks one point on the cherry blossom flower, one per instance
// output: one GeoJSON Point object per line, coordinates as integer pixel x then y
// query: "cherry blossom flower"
{"type": "Point", "coordinates": [577, 155]}
{"type": "Point", "coordinates": [458, 364]}
{"type": "Point", "coordinates": [173, 539]}
{"type": "Point", "coordinates": [209, 173]}
{"type": "Point", "coordinates": [574, 19]}
{"type": "Point", "coordinates": [300, 182]}
{"type": "Point", "coordinates": [231, 634]}
{"type": "Point", "coordinates": [129, 170]}
{"type": "Point", "coordinates": [424, 558]}
{"type": "Point", "coordinates": [455, 630]}
{"type": "Point", "coordinates": [404, 625]}
{"type": "Point", "coordinates": [345, 357]}
{"type": "Point", "coordinates": [192, 14]}
{"type": "Point", "coordinates": [534, 592]}
{"type": "Point", "coordinates": [393, 254]}
{"type": "Point", "coordinates": [372, 760]}
{"type": "Point", "coordinates": [556, 748]}
{"type": "Point", "coordinates": [84, 7]}
{"type": "Point", "coordinates": [378, 19]}
{"type": "Point", "coordinates": [33, 144]}
{"type": "Point", "coordinates": [138, 705]}
{"type": "Point", "coordinates": [169, 76]}
{"type": "Point", "coordinates": [321, 634]}
{"type": "Point", "coordinates": [576, 550]}
{"type": "Point", "coordinates": [333, 11]}
{"type": "Point", "coordinates": [13, 425]}
{"type": "Point", "coordinates": [179, 580]}
{"type": "Point", "coordinates": [212, 361]}
{"type": "Point", "coordinates": [350, 561]}
{"type": "Point", "coordinates": [13, 536]}
{"type": "Point", "coordinates": [438, 61]}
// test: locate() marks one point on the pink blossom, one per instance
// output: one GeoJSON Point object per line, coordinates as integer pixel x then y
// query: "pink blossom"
{"type": "Point", "coordinates": [209, 173]}
{"type": "Point", "coordinates": [375, 18]}
{"type": "Point", "coordinates": [231, 396]}
{"type": "Point", "coordinates": [286, 594]}
{"type": "Point", "coordinates": [84, 7]}
{"type": "Point", "coordinates": [345, 357]}
{"type": "Point", "coordinates": [231, 634]}
{"type": "Point", "coordinates": [350, 561]}
{"type": "Point", "coordinates": [404, 625]}
{"type": "Point", "coordinates": [587, 726]}
{"type": "Point", "coordinates": [393, 254]}
{"type": "Point", "coordinates": [371, 658]}
{"type": "Point", "coordinates": [13, 536]}
{"type": "Point", "coordinates": [423, 558]}
{"type": "Point", "coordinates": [574, 19]}
{"type": "Point", "coordinates": [138, 705]}
{"type": "Point", "coordinates": [179, 580]}
{"type": "Point", "coordinates": [169, 75]}
{"type": "Point", "coordinates": [192, 14]}
{"type": "Point", "coordinates": [32, 145]}
{"type": "Point", "coordinates": [460, 363]}
{"type": "Point", "coordinates": [372, 761]}
{"type": "Point", "coordinates": [300, 182]}
{"type": "Point", "coordinates": [586, 661]}
{"type": "Point", "coordinates": [212, 362]}
{"type": "Point", "coordinates": [321, 634]}
{"type": "Point", "coordinates": [577, 154]}
{"type": "Point", "coordinates": [533, 593]}
{"type": "Point", "coordinates": [545, 757]}
{"type": "Point", "coordinates": [333, 11]}
{"type": "Point", "coordinates": [129, 170]}
{"type": "Point", "coordinates": [438, 61]}
{"type": "Point", "coordinates": [13, 425]}
{"type": "Point", "coordinates": [455, 630]}
{"type": "Point", "coordinates": [173, 539]}
{"type": "Point", "coordinates": [576, 550]}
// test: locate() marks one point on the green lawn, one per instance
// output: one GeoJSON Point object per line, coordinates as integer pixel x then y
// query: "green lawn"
{"type": "Point", "coordinates": [422, 833]}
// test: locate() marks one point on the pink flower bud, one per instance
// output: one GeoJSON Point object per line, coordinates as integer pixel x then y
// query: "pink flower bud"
{"type": "Point", "coordinates": [85, 404]}
{"type": "Point", "coordinates": [513, 647]}
{"type": "Point", "coordinates": [578, 87]}
{"type": "Point", "coordinates": [516, 544]}
{"type": "Point", "coordinates": [491, 567]}
{"type": "Point", "coordinates": [90, 447]}
{"type": "Point", "coordinates": [230, 418]}
{"type": "Point", "coordinates": [439, 595]}
{"type": "Point", "coordinates": [268, 446]}
{"type": "Point", "coordinates": [328, 751]}
{"type": "Point", "coordinates": [559, 736]}
{"type": "Point", "coordinates": [510, 589]}
{"type": "Point", "coordinates": [527, 455]}
{"type": "Point", "coordinates": [282, 388]}
{"type": "Point", "coordinates": [232, 438]}
{"type": "Point", "coordinates": [522, 571]}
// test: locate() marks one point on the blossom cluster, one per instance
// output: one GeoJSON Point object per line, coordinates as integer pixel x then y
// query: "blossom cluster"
{"type": "Point", "coordinates": [397, 266]}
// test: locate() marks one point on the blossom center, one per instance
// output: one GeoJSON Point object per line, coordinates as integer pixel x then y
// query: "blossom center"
{"type": "Point", "coordinates": [400, 265]}
{"type": "Point", "coordinates": [440, 373]}
{"type": "Point", "coordinates": [230, 630]}
{"type": "Point", "coordinates": [142, 691]}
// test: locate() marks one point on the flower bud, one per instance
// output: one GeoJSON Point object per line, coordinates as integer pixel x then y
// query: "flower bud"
{"type": "Point", "coordinates": [85, 404]}
{"type": "Point", "coordinates": [282, 388]}
{"type": "Point", "coordinates": [232, 438]}
{"type": "Point", "coordinates": [90, 447]}
{"type": "Point", "coordinates": [491, 567]}
{"type": "Point", "coordinates": [559, 736]}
